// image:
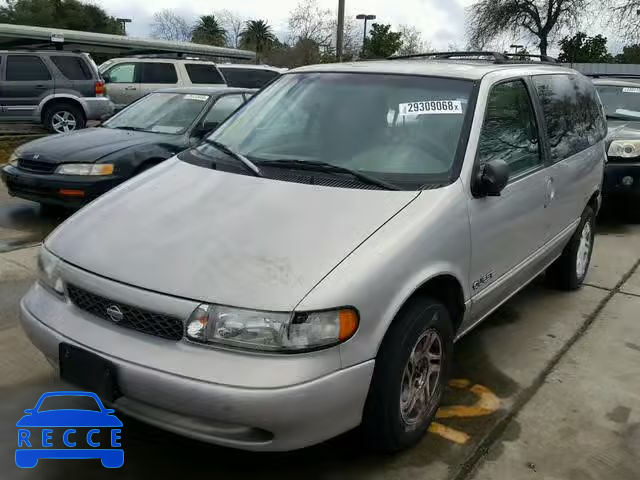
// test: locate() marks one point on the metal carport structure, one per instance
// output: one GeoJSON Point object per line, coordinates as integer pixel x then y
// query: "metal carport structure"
{"type": "Point", "coordinates": [25, 36]}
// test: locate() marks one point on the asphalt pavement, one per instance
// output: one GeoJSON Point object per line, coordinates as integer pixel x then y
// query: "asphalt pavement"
{"type": "Point", "coordinates": [546, 388]}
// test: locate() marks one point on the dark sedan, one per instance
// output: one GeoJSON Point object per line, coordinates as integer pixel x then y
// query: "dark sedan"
{"type": "Point", "coordinates": [621, 99]}
{"type": "Point", "coordinates": [72, 169]}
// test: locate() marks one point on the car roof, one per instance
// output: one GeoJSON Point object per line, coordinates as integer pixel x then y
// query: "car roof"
{"type": "Point", "coordinates": [616, 82]}
{"type": "Point", "coordinates": [251, 67]}
{"type": "Point", "coordinates": [212, 91]}
{"type": "Point", "coordinates": [463, 69]}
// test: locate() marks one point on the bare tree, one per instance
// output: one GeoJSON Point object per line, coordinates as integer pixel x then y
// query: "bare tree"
{"type": "Point", "coordinates": [308, 21]}
{"type": "Point", "coordinates": [412, 41]}
{"type": "Point", "coordinates": [168, 25]}
{"type": "Point", "coordinates": [625, 14]}
{"type": "Point", "coordinates": [542, 19]}
{"type": "Point", "coordinates": [352, 37]}
{"type": "Point", "coordinates": [233, 23]}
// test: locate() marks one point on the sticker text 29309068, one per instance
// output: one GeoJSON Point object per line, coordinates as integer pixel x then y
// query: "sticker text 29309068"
{"type": "Point", "coordinates": [431, 107]}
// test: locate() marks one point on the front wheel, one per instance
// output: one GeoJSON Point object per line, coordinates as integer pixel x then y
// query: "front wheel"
{"type": "Point", "coordinates": [570, 269]}
{"type": "Point", "coordinates": [410, 376]}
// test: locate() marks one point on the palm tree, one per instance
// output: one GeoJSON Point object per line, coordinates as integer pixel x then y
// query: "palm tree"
{"type": "Point", "coordinates": [257, 35]}
{"type": "Point", "coordinates": [209, 32]}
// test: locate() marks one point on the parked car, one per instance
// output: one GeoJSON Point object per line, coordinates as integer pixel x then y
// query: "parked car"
{"type": "Point", "coordinates": [249, 76]}
{"type": "Point", "coordinates": [306, 269]}
{"type": "Point", "coordinates": [621, 99]}
{"type": "Point", "coordinates": [131, 78]}
{"type": "Point", "coordinates": [61, 90]}
{"type": "Point", "coordinates": [71, 170]}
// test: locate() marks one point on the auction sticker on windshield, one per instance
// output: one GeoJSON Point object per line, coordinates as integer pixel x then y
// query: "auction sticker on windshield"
{"type": "Point", "coordinates": [631, 90]}
{"type": "Point", "coordinates": [199, 98]}
{"type": "Point", "coordinates": [431, 107]}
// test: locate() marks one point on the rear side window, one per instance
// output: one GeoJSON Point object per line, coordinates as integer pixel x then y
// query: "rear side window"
{"type": "Point", "coordinates": [73, 68]}
{"type": "Point", "coordinates": [158, 73]}
{"type": "Point", "coordinates": [248, 77]}
{"type": "Point", "coordinates": [202, 73]}
{"type": "Point", "coordinates": [25, 68]}
{"type": "Point", "coordinates": [509, 131]}
{"type": "Point", "coordinates": [572, 111]}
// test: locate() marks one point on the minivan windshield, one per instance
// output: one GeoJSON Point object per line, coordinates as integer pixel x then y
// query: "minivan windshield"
{"type": "Point", "coordinates": [399, 127]}
{"type": "Point", "coordinates": [620, 102]}
{"type": "Point", "coordinates": [160, 112]}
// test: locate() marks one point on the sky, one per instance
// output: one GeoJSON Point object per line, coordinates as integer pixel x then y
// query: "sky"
{"type": "Point", "coordinates": [440, 21]}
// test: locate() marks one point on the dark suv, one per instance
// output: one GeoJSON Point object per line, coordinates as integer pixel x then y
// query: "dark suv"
{"type": "Point", "coordinates": [61, 90]}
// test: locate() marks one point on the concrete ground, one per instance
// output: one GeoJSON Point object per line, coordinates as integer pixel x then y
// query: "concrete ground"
{"type": "Point", "coordinates": [546, 388]}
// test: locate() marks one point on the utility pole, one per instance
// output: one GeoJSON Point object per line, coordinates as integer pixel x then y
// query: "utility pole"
{"type": "Point", "coordinates": [340, 34]}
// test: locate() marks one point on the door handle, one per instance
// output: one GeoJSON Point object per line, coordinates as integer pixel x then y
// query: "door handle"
{"type": "Point", "coordinates": [40, 87]}
{"type": "Point", "coordinates": [130, 88]}
{"type": "Point", "coordinates": [550, 192]}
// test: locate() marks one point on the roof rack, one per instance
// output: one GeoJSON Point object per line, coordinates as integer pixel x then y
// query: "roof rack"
{"type": "Point", "coordinates": [612, 75]}
{"type": "Point", "coordinates": [495, 57]}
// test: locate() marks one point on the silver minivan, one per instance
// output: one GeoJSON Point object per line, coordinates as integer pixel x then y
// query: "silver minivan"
{"type": "Point", "coordinates": [307, 268]}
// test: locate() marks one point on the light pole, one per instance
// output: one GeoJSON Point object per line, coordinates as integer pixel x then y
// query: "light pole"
{"type": "Point", "coordinates": [366, 18]}
{"type": "Point", "coordinates": [340, 35]}
{"type": "Point", "coordinates": [516, 47]}
{"type": "Point", "coordinates": [124, 22]}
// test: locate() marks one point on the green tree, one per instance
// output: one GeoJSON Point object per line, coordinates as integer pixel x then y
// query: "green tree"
{"type": "Point", "coordinates": [257, 36]}
{"type": "Point", "coordinates": [630, 54]}
{"type": "Point", "coordinates": [208, 31]}
{"type": "Point", "coordinates": [382, 42]}
{"type": "Point", "coordinates": [583, 49]}
{"type": "Point", "coordinates": [69, 14]}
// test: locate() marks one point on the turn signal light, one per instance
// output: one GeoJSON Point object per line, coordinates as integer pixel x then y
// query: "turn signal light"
{"type": "Point", "coordinates": [100, 89]}
{"type": "Point", "coordinates": [71, 193]}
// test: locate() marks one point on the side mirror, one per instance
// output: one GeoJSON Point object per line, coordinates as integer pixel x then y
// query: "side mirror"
{"type": "Point", "coordinates": [204, 129]}
{"type": "Point", "coordinates": [491, 179]}
{"type": "Point", "coordinates": [106, 78]}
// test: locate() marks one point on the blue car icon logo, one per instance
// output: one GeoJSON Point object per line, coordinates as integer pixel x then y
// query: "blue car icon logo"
{"type": "Point", "coordinates": [79, 433]}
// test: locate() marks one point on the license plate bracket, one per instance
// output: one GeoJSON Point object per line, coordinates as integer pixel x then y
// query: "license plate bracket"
{"type": "Point", "coordinates": [88, 370]}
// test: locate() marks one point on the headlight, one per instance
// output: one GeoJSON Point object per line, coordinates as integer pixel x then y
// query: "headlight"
{"type": "Point", "coordinates": [85, 169]}
{"type": "Point", "coordinates": [13, 159]}
{"type": "Point", "coordinates": [271, 331]}
{"type": "Point", "coordinates": [624, 148]}
{"type": "Point", "coordinates": [48, 269]}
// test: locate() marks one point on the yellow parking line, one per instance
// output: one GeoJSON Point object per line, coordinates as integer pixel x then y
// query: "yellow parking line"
{"type": "Point", "coordinates": [486, 404]}
{"type": "Point", "coordinates": [451, 434]}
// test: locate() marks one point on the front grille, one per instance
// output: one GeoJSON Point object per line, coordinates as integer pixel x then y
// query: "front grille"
{"type": "Point", "coordinates": [134, 318]}
{"type": "Point", "coordinates": [35, 166]}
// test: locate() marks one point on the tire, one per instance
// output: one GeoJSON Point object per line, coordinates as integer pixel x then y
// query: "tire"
{"type": "Point", "coordinates": [64, 117]}
{"type": "Point", "coordinates": [389, 424]}
{"type": "Point", "coordinates": [570, 269]}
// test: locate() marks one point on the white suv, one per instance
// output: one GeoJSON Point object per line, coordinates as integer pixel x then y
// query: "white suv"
{"type": "Point", "coordinates": [128, 79]}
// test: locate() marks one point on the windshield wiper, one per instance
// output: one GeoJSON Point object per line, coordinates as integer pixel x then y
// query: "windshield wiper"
{"type": "Point", "coordinates": [133, 129]}
{"type": "Point", "coordinates": [329, 167]}
{"type": "Point", "coordinates": [241, 158]}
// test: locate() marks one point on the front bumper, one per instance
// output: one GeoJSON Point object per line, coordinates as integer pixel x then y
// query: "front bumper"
{"type": "Point", "coordinates": [98, 108]}
{"type": "Point", "coordinates": [613, 179]}
{"type": "Point", "coordinates": [46, 188]}
{"type": "Point", "coordinates": [173, 386]}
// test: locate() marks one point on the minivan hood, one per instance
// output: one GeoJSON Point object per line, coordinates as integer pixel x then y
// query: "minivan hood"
{"type": "Point", "coordinates": [88, 145]}
{"type": "Point", "coordinates": [220, 237]}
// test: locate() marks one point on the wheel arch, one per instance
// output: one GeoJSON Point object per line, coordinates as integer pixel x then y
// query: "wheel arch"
{"type": "Point", "coordinates": [47, 103]}
{"type": "Point", "coordinates": [443, 287]}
